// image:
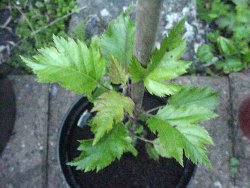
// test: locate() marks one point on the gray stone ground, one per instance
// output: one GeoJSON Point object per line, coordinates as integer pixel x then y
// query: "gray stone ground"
{"type": "Point", "coordinates": [29, 160]}
{"type": "Point", "coordinates": [98, 13]}
{"type": "Point", "coordinates": [22, 163]}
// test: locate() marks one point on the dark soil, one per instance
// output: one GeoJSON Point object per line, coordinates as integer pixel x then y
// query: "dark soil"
{"type": "Point", "coordinates": [244, 117]}
{"type": "Point", "coordinates": [7, 111]}
{"type": "Point", "coordinates": [140, 171]}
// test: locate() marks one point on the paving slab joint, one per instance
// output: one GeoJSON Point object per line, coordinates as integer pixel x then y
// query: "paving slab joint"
{"type": "Point", "coordinates": [232, 133]}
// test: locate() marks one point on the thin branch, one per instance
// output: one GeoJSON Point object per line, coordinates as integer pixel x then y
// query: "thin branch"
{"type": "Point", "coordinates": [26, 19]}
{"type": "Point", "coordinates": [154, 109]}
{"type": "Point", "coordinates": [143, 139]}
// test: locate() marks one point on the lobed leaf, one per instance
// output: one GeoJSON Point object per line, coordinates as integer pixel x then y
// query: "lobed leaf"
{"type": "Point", "coordinates": [71, 64]}
{"type": "Point", "coordinates": [200, 96]}
{"type": "Point", "coordinates": [110, 108]}
{"type": "Point", "coordinates": [102, 154]}
{"type": "Point", "coordinates": [164, 64]}
{"type": "Point", "coordinates": [118, 40]}
{"type": "Point", "coordinates": [177, 132]}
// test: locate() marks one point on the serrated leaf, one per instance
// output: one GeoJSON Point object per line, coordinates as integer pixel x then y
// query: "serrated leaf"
{"type": "Point", "coordinates": [174, 44]}
{"type": "Point", "coordinates": [118, 40]}
{"type": "Point", "coordinates": [200, 96]}
{"type": "Point", "coordinates": [117, 73]}
{"type": "Point", "coordinates": [186, 114]}
{"type": "Point", "coordinates": [167, 68]}
{"type": "Point", "coordinates": [161, 88]}
{"type": "Point", "coordinates": [165, 65]}
{"type": "Point", "coordinates": [177, 132]}
{"type": "Point", "coordinates": [174, 38]}
{"type": "Point", "coordinates": [71, 64]}
{"type": "Point", "coordinates": [136, 70]}
{"type": "Point", "coordinates": [204, 53]}
{"type": "Point", "coordinates": [110, 108]}
{"type": "Point", "coordinates": [99, 156]}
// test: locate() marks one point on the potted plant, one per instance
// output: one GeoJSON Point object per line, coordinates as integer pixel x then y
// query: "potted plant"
{"type": "Point", "coordinates": [113, 121]}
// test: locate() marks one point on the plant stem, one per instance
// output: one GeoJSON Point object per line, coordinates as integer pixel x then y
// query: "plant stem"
{"type": "Point", "coordinates": [143, 139]}
{"type": "Point", "coordinates": [154, 109]}
{"type": "Point", "coordinates": [145, 35]}
{"type": "Point", "coordinates": [147, 18]}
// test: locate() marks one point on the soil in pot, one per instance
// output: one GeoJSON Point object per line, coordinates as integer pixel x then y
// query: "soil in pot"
{"type": "Point", "coordinates": [140, 171]}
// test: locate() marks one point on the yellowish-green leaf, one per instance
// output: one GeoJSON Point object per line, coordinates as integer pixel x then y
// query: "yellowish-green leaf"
{"type": "Point", "coordinates": [71, 64]}
{"type": "Point", "coordinates": [110, 108]}
{"type": "Point", "coordinates": [117, 73]}
{"type": "Point", "coordinates": [161, 88]}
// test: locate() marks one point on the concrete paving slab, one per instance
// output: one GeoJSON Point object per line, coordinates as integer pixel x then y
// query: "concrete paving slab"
{"type": "Point", "coordinates": [219, 130]}
{"type": "Point", "coordinates": [22, 161]}
{"type": "Point", "coordinates": [60, 101]}
{"type": "Point", "coordinates": [240, 90]}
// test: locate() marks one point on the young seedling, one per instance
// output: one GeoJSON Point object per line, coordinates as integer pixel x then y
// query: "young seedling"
{"type": "Point", "coordinates": [104, 72]}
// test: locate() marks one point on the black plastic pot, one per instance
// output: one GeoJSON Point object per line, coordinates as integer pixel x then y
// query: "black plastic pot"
{"type": "Point", "coordinates": [129, 171]}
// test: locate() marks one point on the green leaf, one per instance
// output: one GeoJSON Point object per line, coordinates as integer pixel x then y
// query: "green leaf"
{"type": "Point", "coordinates": [78, 31]}
{"type": "Point", "coordinates": [118, 40]}
{"type": "Point", "coordinates": [136, 70]}
{"type": "Point", "coordinates": [161, 88]}
{"type": "Point", "coordinates": [139, 129]}
{"type": "Point", "coordinates": [232, 64]}
{"type": "Point", "coordinates": [167, 68]}
{"type": "Point", "coordinates": [174, 38]}
{"type": "Point", "coordinates": [100, 155]}
{"type": "Point", "coordinates": [204, 53]}
{"type": "Point", "coordinates": [110, 108]}
{"type": "Point", "coordinates": [117, 73]}
{"type": "Point", "coordinates": [226, 21]}
{"type": "Point", "coordinates": [71, 64]}
{"type": "Point", "coordinates": [177, 132]}
{"type": "Point", "coordinates": [152, 153]}
{"type": "Point", "coordinates": [173, 42]}
{"type": "Point", "coordinates": [164, 64]}
{"type": "Point", "coordinates": [200, 96]}
{"type": "Point", "coordinates": [226, 46]}
{"type": "Point", "coordinates": [213, 36]}
{"type": "Point", "coordinates": [186, 114]}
